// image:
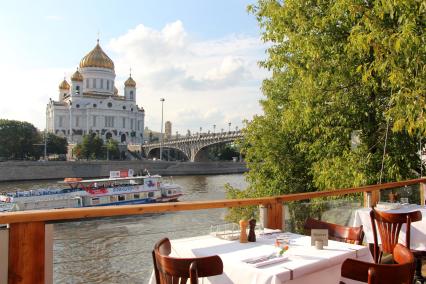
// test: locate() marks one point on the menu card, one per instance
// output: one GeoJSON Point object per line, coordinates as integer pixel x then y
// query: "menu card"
{"type": "Point", "coordinates": [319, 235]}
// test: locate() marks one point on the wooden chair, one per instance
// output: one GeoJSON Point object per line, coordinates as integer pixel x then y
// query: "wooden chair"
{"type": "Point", "coordinates": [353, 235]}
{"type": "Point", "coordinates": [389, 226]}
{"type": "Point", "coordinates": [171, 270]}
{"type": "Point", "coordinates": [372, 273]}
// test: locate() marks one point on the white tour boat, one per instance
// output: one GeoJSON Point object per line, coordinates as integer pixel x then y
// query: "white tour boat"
{"type": "Point", "coordinates": [119, 189]}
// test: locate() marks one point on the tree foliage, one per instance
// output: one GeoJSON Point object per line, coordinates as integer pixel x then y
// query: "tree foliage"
{"type": "Point", "coordinates": [91, 147]}
{"type": "Point", "coordinates": [112, 148]}
{"type": "Point", "coordinates": [338, 67]}
{"type": "Point", "coordinates": [18, 139]}
{"type": "Point", "coordinates": [56, 144]}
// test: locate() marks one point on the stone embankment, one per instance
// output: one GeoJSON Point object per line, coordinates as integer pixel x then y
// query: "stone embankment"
{"type": "Point", "coordinates": [18, 171]}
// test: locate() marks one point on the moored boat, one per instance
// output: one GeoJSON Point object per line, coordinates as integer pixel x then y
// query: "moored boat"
{"type": "Point", "coordinates": [119, 189]}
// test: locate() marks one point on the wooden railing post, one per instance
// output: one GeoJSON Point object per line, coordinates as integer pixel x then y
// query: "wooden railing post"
{"type": "Point", "coordinates": [27, 253]}
{"type": "Point", "coordinates": [275, 215]}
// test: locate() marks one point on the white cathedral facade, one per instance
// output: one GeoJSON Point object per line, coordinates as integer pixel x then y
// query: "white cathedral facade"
{"type": "Point", "coordinates": [91, 104]}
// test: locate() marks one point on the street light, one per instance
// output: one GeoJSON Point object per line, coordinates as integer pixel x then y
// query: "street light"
{"type": "Point", "coordinates": [214, 128]}
{"type": "Point", "coordinates": [87, 118]}
{"type": "Point", "coordinates": [161, 136]}
{"type": "Point", "coordinates": [70, 134]}
{"type": "Point", "coordinates": [45, 138]}
{"type": "Point", "coordinates": [229, 126]}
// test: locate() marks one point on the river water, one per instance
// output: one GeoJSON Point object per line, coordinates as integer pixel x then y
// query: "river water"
{"type": "Point", "coordinates": [118, 250]}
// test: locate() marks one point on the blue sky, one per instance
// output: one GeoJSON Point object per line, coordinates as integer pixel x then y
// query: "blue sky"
{"type": "Point", "coordinates": [50, 38]}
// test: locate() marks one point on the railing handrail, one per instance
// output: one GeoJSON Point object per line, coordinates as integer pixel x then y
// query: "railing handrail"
{"type": "Point", "coordinates": [109, 211]}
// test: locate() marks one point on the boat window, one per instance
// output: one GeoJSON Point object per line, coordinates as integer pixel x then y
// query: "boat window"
{"type": "Point", "coordinates": [169, 192]}
{"type": "Point", "coordinates": [121, 198]}
{"type": "Point", "coordinates": [136, 196]}
{"type": "Point", "coordinates": [113, 198]}
{"type": "Point", "coordinates": [151, 194]}
{"type": "Point", "coordinates": [95, 201]}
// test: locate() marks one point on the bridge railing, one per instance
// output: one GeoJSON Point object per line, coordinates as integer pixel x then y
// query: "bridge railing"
{"type": "Point", "coordinates": [29, 241]}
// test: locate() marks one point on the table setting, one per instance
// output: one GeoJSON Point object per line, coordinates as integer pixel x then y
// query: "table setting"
{"type": "Point", "coordinates": [275, 257]}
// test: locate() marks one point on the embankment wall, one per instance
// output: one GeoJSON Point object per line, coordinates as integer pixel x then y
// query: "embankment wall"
{"type": "Point", "coordinates": [28, 170]}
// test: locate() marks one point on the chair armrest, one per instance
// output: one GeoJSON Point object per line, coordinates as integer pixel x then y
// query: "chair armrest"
{"type": "Point", "coordinates": [356, 269]}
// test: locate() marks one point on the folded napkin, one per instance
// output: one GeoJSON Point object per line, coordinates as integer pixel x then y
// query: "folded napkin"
{"type": "Point", "coordinates": [263, 260]}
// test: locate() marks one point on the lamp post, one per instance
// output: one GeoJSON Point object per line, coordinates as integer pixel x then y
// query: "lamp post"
{"type": "Point", "coordinates": [70, 106]}
{"type": "Point", "coordinates": [229, 126]}
{"type": "Point", "coordinates": [87, 118]}
{"type": "Point", "coordinates": [161, 135]}
{"type": "Point", "coordinates": [214, 128]}
{"type": "Point", "coordinates": [45, 138]}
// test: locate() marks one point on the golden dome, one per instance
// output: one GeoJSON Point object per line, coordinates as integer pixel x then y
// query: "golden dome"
{"type": "Point", "coordinates": [77, 76]}
{"type": "Point", "coordinates": [130, 82]}
{"type": "Point", "coordinates": [115, 91]}
{"type": "Point", "coordinates": [64, 85]}
{"type": "Point", "coordinates": [97, 58]}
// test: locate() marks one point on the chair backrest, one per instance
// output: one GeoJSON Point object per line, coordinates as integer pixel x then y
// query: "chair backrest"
{"type": "Point", "coordinates": [389, 225]}
{"type": "Point", "coordinates": [171, 270]}
{"type": "Point", "coordinates": [372, 273]}
{"type": "Point", "coordinates": [353, 235]}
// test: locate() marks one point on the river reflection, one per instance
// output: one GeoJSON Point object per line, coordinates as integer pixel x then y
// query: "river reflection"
{"type": "Point", "coordinates": [118, 250]}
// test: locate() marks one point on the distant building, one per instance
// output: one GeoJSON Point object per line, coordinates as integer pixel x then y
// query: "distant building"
{"type": "Point", "coordinates": [168, 130]}
{"type": "Point", "coordinates": [91, 104]}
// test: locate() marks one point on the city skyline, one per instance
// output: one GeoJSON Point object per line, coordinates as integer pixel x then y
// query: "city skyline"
{"type": "Point", "coordinates": [205, 68]}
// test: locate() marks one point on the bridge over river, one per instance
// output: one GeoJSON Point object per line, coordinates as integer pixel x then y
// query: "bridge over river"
{"type": "Point", "coordinates": [193, 147]}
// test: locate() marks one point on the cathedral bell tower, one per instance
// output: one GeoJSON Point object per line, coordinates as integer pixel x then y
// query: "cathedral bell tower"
{"type": "Point", "coordinates": [76, 84]}
{"type": "Point", "coordinates": [64, 90]}
{"type": "Point", "coordinates": [130, 89]}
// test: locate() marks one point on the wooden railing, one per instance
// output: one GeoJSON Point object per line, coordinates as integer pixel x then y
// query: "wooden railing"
{"type": "Point", "coordinates": [27, 230]}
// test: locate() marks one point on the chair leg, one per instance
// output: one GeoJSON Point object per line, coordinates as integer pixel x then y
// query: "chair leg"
{"type": "Point", "coordinates": [418, 278]}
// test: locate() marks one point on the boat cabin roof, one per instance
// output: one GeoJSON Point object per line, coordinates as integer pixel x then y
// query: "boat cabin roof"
{"type": "Point", "coordinates": [108, 179]}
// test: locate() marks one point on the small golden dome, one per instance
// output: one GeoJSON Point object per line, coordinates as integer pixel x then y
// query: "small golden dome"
{"type": "Point", "coordinates": [115, 91]}
{"type": "Point", "coordinates": [64, 85]}
{"type": "Point", "coordinates": [130, 82]}
{"type": "Point", "coordinates": [97, 58]}
{"type": "Point", "coordinates": [77, 76]}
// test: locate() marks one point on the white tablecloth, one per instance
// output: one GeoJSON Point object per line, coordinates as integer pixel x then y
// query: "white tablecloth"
{"type": "Point", "coordinates": [305, 264]}
{"type": "Point", "coordinates": [418, 229]}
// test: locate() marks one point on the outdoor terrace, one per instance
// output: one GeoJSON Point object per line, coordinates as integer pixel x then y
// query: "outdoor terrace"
{"type": "Point", "coordinates": [26, 254]}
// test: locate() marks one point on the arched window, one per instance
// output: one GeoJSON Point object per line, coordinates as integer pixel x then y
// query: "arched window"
{"type": "Point", "coordinates": [131, 95]}
{"type": "Point", "coordinates": [77, 90]}
{"type": "Point", "coordinates": [107, 84]}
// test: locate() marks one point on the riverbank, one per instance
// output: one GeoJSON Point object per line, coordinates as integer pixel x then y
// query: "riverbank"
{"type": "Point", "coordinates": [28, 170]}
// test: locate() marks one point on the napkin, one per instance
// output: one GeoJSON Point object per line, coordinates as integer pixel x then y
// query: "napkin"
{"type": "Point", "coordinates": [263, 260]}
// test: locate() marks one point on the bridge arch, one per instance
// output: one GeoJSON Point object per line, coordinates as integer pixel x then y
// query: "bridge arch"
{"type": "Point", "coordinates": [155, 153]}
{"type": "Point", "coordinates": [193, 147]}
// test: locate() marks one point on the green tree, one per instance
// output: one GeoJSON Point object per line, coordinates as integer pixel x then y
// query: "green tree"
{"type": "Point", "coordinates": [337, 68]}
{"type": "Point", "coordinates": [18, 140]}
{"type": "Point", "coordinates": [56, 144]}
{"type": "Point", "coordinates": [112, 148]}
{"type": "Point", "coordinates": [90, 148]}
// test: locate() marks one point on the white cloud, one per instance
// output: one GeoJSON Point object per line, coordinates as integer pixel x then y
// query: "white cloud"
{"type": "Point", "coordinates": [26, 92]}
{"type": "Point", "coordinates": [204, 82]}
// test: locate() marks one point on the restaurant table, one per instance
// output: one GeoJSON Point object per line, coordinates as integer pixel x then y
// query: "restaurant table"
{"type": "Point", "coordinates": [418, 229]}
{"type": "Point", "coordinates": [304, 264]}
